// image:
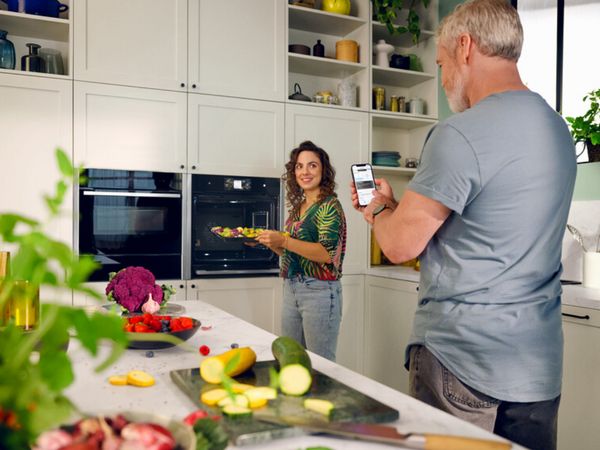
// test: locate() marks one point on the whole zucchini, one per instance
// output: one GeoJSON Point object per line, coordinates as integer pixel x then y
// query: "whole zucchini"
{"type": "Point", "coordinates": [288, 351]}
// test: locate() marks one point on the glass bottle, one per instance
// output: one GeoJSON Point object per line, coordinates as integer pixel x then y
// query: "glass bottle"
{"type": "Point", "coordinates": [33, 62]}
{"type": "Point", "coordinates": [319, 49]}
{"type": "Point", "coordinates": [7, 52]}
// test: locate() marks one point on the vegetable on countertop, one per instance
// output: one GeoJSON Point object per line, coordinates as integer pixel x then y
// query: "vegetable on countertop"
{"type": "Point", "coordinates": [288, 351]}
{"type": "Point", "coordinates": [213, 368]}
{"type": "Point", "coordinates": [324, 407]}
{"type": "Point", "coordinates": [294, 379]}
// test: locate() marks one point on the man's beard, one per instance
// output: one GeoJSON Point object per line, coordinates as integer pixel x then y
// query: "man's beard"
{"type": "Point", "coordinates": [457, 99]}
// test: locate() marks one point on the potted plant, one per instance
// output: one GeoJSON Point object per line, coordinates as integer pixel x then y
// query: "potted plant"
{"type": "Point", "coordinates": [34, 368]}
{"type": "Point", "coordinates": [388, 11]}
{"type": "Point", "coordinates": [586, 128]}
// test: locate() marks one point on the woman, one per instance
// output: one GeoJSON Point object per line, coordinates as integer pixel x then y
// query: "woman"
{"type": "Point", "coordinates": [311, 251]}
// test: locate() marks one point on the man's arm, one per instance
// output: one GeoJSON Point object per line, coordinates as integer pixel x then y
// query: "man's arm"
{"type": "Point", "coordinates": [403, 233]}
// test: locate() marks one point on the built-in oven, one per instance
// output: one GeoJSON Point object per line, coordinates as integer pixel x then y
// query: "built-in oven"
{"type": "Point", "coordinates": [131, 218]}
{"type": "Point", "coordinates": [230, 201]}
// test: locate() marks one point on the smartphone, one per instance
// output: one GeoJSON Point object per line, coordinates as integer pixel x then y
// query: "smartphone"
{"type": "Point", "coordinates": [362, 174]}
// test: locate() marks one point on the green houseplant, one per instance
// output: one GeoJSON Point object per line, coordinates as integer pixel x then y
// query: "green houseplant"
{"type": "Point", "coordinates": [34, 367]}
{"type": "Point", "coordinates": [388, 11]}
{"type": "Point", "coordinates": [586, 128]}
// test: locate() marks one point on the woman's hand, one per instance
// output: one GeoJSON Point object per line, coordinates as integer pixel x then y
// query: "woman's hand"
{"type": "Point", "coordinates": [272, 239]}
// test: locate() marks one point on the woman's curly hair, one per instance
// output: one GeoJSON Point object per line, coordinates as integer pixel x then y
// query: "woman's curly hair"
{"type": "Point", "coordinates": [295, 194]}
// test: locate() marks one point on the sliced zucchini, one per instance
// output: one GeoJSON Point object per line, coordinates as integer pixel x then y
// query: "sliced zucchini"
{"type": "Point", "coordinates": [294, 379]}
{"type": "Point", "coordinates": [213, 396]}
{"type": "Point", "coordinates": [140, 378]}
{"type": "Point", "coordinates": [258, 397]}
{"type": "Point", "coordinates": [240, 388]}
{"type": "Point", "coordinates": [238, 400]}
{"type": "Point", "coordinates": [321, 406]}
{"type": "Point", "coordinates": [289, 351]}
{"type": "Point", "coordinates": [237, 412]}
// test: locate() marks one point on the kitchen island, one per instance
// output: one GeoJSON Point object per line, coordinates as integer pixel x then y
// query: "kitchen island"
{"type": "Point", "coordinates": [92, 393]}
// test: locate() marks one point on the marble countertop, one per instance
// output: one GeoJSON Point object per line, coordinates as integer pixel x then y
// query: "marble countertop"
{"type": "Point", "coordinates": [92, 393]}
{"type": "Point", "coordinates": [573, 294]}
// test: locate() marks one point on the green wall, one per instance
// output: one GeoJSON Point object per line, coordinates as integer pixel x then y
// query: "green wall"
{"type": "Point", "coordinates": [587, 184]}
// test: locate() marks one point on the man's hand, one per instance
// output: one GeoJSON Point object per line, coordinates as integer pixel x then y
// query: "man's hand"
{"type": "Point", "coordinates": [382, 195]}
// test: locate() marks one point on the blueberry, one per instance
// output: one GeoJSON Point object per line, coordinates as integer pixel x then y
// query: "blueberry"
{"type": "Point", "coordinates": [234, 345]}
{"type": "Point", "coordinates": [149, 354]}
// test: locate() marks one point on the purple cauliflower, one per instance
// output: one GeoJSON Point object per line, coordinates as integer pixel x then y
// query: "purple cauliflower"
{"type": "Point", "coordinates": [130, 288]}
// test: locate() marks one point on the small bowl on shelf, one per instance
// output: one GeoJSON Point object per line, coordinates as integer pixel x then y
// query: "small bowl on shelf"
{"type": "Point", "coordinates": [299, 48]}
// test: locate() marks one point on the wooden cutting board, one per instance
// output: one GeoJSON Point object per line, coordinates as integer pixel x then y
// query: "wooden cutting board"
{"type": "Point", "coordinates": [350, 405]}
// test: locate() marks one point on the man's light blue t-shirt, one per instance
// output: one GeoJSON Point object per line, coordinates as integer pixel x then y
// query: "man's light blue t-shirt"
{"type": "Point", "coordinates": [489, 301]}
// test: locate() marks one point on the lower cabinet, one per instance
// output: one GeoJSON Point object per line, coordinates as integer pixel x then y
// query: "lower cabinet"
{"type": "Point", "coordinates": [351, 337]}
{"type": "Point", "coordinates": [580, 401]}
{"type": "Point", "coordinates": [255, 300]}
{"type": "Point", "coordinates": [390, 307]}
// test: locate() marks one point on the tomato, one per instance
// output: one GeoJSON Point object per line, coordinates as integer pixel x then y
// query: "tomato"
{"type": "Point", "coordinates": [186, 323]}
{"type": "Point", "coordinates": [192, 417]}
{"type": "Point", "coordinates": [142, 328]}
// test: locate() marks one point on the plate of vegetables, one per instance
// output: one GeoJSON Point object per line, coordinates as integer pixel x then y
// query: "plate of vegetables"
{"type": "Point", "coordinates": [124, 430]}
{"type": "Point", "coordinates": [147, 325]}
{"type": "Point", "coordinates": [240, 234]}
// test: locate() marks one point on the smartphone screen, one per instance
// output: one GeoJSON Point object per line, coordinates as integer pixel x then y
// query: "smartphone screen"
{"type": "Point", "coordinates": [362, 174]}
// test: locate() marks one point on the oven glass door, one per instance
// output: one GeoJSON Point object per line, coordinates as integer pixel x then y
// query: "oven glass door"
{"type": "Point", "coordinates": [212, 254]}
{"type": "Point", "coordinates": [132, 228]}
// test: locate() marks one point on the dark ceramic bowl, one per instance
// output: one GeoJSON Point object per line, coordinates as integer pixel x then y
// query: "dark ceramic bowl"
{"type": "Point", "coordinates": [184, 335]}
{"type": "Point", "coordinates": [299, 48]}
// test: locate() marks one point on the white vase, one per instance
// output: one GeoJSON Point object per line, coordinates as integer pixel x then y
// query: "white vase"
{"type": "Point", "coordinates": [383, 51]}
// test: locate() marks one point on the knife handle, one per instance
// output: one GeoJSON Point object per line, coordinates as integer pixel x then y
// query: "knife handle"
{"type": "Point", "coordinates": [445, 442]}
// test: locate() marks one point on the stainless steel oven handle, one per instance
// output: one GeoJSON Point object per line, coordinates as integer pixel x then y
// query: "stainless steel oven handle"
{"type": "Point", "coordinates": [130, 194]}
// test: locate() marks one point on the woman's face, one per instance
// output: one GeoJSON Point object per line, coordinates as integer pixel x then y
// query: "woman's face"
{"type": "Point", "coordinates": [309, 171]}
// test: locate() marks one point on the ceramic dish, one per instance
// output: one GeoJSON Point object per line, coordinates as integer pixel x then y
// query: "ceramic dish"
{"type": "Point", "coordinates": [184, 335]}
{"type": "Point", "coordinates": [299, 48]}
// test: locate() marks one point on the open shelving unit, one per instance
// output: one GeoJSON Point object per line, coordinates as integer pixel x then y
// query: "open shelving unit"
{"type": "Point", "coordinates": [49, 32]}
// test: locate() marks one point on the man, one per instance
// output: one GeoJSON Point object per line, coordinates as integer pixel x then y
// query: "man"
{"type": "Point", "coordinates": [486, 213]}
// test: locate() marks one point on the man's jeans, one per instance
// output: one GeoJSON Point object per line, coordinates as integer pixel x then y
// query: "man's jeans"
{"type": "Point", "coordinates": [532, 425]}
{"type": "Point", "coordinates": [311, 313]}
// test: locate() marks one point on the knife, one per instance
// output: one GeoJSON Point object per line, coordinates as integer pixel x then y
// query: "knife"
{"type": "Point", "coordinates": [387, 434]}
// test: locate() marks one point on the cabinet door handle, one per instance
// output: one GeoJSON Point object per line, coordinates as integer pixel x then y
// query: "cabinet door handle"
{"type": "Point", "coordinates": [182, 166]}
{"type": "Point", "coordinates": [575, 316]}
{"type": "Point", "coordinates": [182, 84]}
{"type": "Point", "coordinates": [181, 286]}
{"type": "Point", "coordinates": [193, 286]}
{"type": "Point", "coordinates": [193, 167]}
{"type": "Point", "coordinates": [193, 86]}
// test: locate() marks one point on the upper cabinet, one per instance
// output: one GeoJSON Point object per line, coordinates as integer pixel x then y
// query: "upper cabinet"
{"type": "Point", "coordinates": [48, 27]}
{"type": "Point", "coordinates": [345, 58]}
{"type": "Point", "coordinates": [232, 48]}
{"type": "Point", "coordinates": [135, 43]}
{"type": "Point", "coordinates": [236, 48]}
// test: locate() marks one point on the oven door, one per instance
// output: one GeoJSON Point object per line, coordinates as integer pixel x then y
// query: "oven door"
{"type": "Point", "coordinates": [215, 256]}
{"type": "Point", "coordinates": [121, 228]}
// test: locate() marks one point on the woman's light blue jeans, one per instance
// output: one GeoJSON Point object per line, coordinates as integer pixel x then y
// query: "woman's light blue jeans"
{"type": "Point", "coordinates": [312, 312]}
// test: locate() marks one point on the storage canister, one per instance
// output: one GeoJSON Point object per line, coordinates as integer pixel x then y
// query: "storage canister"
{"type": "Point", "coordinates": [394, 103]}
{"type": "Point", "coordinates": [346, 50]}
{"type": "Point", "coordinates": [379, 98]}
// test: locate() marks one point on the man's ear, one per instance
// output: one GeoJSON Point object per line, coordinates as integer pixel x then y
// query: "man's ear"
{"type": "Point", "coordinates": [464, 47]}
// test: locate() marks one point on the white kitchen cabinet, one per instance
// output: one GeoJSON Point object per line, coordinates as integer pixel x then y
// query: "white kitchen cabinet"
{"type": "Point", "coordinates": [230, 136]}
{"type": "Point", "coordinates": [118, 127]}
{"type": "Point", "coordinates": [351, 338]}
{"type": "Point", "coordinates": [390, 307]}
{"type": "Point", "coordinates": [237, 48]}
{"type": "Point", "coordinates": [35, 113]}
{"type": "Point", "coordinates": [233, 48]}
{"type": "Point", "coordinates": [254, 300]}
{"type": "Point", "coordinates": [136, 43]}
{"type": "Point", "coordinates": [344, 136]}
{"type": "Point", "coordinates": [580, 400]}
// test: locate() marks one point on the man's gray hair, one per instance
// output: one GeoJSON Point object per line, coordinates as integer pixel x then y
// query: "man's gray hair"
{"type": "Point", "coordinates": [494, 26]}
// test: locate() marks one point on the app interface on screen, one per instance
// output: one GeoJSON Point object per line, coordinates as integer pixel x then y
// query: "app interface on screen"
{"type": "Point", "coordinates": [363, 178]}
